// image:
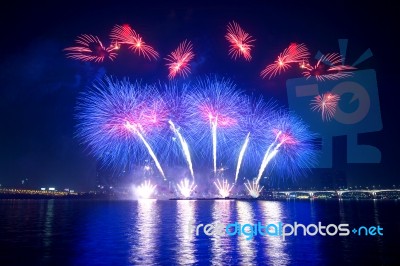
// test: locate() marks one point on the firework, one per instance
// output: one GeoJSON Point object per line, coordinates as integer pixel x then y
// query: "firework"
{"type": "Point", "coordinates": [256, 119]}
{"type": "Point", "coordinates": [253, 188]}
{"type": "Point", "coordinates": [185, 147]}
{"type": "Point", "coordinates": [123, 123]}
{"type": "Point", "coordinates": [179, 60]}
{"type": "Point", "coordinates": [326, 104]}
{"type": "Point", "coordinates": [241, 154]}
{"type": "Point", "coordinates": [295, 53]}
{"type": "Point", "coordinates": [328, 67]}
{"type": "Point", "coordinates": [224, 189]}
{"type": "Point", "coordinates": [145, 190]}
{"type": "Point", "coordinates": [186, 188]}
{"type": "Point", "coordinates": [293, 150]}
{"type": "Point", "coordinates": [135, 128]}
{"type": "Point", "coordinates": [216, 107]}
{"type": "Point", "coordinates": [90, 48]}
{"type": "Point", "coordinates": [126, 35]}
{"type": "Point", "coordinates": [116, 120]}
{"type": "Point", "coordinates": [240, 41]}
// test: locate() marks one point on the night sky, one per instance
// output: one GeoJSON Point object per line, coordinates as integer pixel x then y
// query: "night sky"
{"type": "Point", "coordinates": [39, 85]}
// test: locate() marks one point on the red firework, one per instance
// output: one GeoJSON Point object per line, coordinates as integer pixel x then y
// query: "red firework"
{"type": "Point", "coordinates": [90, 48]}
{"type": "Point", "coordinates": [126, 35]}
{"type": "Point", "coordinates": [330, 69]}
{"type": "Point", "coordinates": [326, 104]}
{"type": "Point", "coordinates": [179, 60]}
{"type": "Point", "coordinates": [295, 53]}
{"type": "Point", "coordinates": [240, 41]}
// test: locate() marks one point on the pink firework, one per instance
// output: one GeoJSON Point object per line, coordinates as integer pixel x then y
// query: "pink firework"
{"type": "Point", "coordinates": [326, 104]}
{"type": "Point", "coordinates": [240, 41]}
{"type": "Point", "coordinates": [126, 35]}
{"type": "Point", "coordinates": [90, 48]}
{"type": "Point", "coordinates": [295, 53]}
{"type": "Point", "coordinates": [330, 69]}
{"type": "Point", "coordinates": [215, 117]}
{"type": "Point", "coordinates": [179, 60]}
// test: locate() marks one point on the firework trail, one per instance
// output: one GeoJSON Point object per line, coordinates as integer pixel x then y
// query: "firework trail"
{"type": "Point", "coordinates": [179, 60]}
{"type": "Point", "coordinates": [256, 119]}
{"type": "Point", "coordinates": [90, 48]}
{"type": "Point", "coordinates": [145, 190]}
{"type": "Point", "coordinates": [214, 124]}
{"type": "Point", "coordinates": [241, 154]}
{"type": "Point", "coordinates": [295, 144]}
{"type": "Point", "coordinates": [253, 188]}
{"type": "Point", "coordinates": [126, 35]}
{"type": "Point", "coordinates": [240, 41]}
{"type": "Point", "coordinates": [295, 53]}
{"type": "Point", "coordinates": [185, 188]}
{"type": "Point", "coordinates": [268, 156]}
{"type": "Point", "coordinates": [330, 69]}
{"type": "Point", "coordinates": [136, 129]}
{"type": "Point", "coordinates": [215, 106]}
{"type": "Point", "coordinates": [185, 147]}
{"type": "Point", "coordinates": [326, 104]}
{"type": "Point", "coordinates": [224, 189]}
{"type": "Point", "coordinates": [297, 152]}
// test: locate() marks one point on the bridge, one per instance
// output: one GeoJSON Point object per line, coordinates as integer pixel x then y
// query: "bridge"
{"type": "Point", "coordinates": [339, 193]}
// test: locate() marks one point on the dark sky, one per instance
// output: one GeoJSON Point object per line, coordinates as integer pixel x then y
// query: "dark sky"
{"type": "Point", "coordinates": [39, 85]}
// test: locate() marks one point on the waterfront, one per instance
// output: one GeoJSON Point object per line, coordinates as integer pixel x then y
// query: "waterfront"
{"type": "Point", "coordinates": [150, 232]}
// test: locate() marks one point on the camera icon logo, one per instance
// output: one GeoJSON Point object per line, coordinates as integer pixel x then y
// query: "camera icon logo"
{"type": "Point", "coordinates": [358, 111]}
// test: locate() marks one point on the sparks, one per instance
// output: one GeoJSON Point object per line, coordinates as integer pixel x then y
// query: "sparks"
{"type": "Point", "coordinates": [185, 147]}
{"type": "Point", "coordinates": [90, 48]}
{"type": "Point", "coordinates": [253, 188]}
{"type": "Point", "coordinates": [186, 188]}
{"type": "Point", "coordinates": [295, 53]}
{"type": "Point", "coordinates": [326, 104]}
{"type": "Point", "coordinates": [240, 41]}
{"type": "Point", "coordinates": [241, 154]}
{"type": "Point", "coordinates": [145, 190]}
{"type": "Point", "coordinates": [136, 130]}
{"type": "Point", "coordinates": [330, 69]}
{"type": "Point", "coordinates": [179, 60]}
{"type": "Point", "coordinates": [126, 35]}
{"type": "Point", "coordinates": [223, 187]}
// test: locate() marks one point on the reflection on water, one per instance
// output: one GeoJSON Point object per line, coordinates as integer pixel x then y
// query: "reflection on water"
{"type": "Point", "coordinates": [275, 247]}
{"type": "Point", "coordinates": [145, 232]}
{"type": "Point", "coordinates": [148, 232]}
{"type": "Point", "coordinates": [48, 225]}
{"type": "Point", "coordinates": [221, 245]}
{"type": "Point", "coordinates": [247, 250]}
{"type": "Point", "coordinates": [185, 218]}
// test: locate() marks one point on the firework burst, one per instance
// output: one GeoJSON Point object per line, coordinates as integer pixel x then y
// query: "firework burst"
{"type": "Point", "coordinates": [90, 48]}
{"type": "Point", "coordinates": [256, 119]}
{"type": "Point", "coordinates": [224, 189]}
{"type": "Point", "coordinates": [253, 188]}
{"type": "Point", "coordinates": [328, 67]}
{"type": "Point", "coordinates": [186, 188]}
{"type": "Point", "coordinates": [118, 120]}
{"type": "Point", "coordinates": [126, 35]}
{"type": "Point", "coordinates": [145, 190]}
{"type": "Point", "coordinates": [295, 53]}
{"type": "Point", "coordinates": [179, 60]}
{"type": "Point", "coordinates": [240, 41]}
{"type": "Point", "coordinates": [293, 150]}
{"type": "Point", "coordinates": [215, 107]}
{"type": "Point", "coordinates": [326, 104]}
